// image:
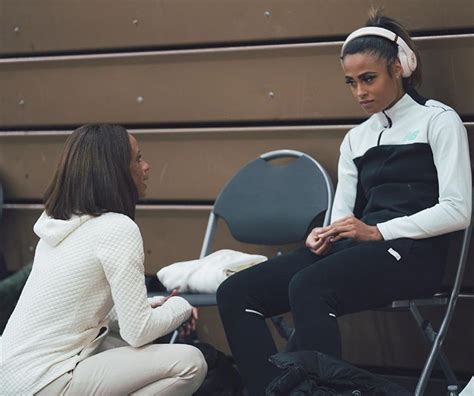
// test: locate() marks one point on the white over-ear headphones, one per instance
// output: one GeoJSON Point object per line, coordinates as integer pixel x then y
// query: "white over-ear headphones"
{"type": "Point", "coordinates": [405, 53]}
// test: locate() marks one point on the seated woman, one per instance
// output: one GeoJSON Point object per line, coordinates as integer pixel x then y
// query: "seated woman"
{"type": "Point", "coordinates": [88, 268]}
{"type": "Point", "coordinates": [404, 183]}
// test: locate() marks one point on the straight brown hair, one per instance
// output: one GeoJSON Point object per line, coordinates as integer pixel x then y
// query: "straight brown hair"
{"type": "Point", "coordinates": [93, 175]}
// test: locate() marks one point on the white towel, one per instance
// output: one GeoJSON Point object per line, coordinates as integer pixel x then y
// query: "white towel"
{"type": "Point", "coordinates": [206, 274]}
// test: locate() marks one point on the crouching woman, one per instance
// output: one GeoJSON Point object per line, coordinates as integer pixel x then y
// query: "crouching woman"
{"type": "Point", "coordinates": [88, 268]}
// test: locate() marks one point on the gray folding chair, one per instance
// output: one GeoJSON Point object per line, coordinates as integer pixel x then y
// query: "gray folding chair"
{"type": "Point", "coordinates": [270, 204]}
{"type": "Point", "coordinates": [433, 338]}
{"type": "Point", "coordinates": [449, 299]}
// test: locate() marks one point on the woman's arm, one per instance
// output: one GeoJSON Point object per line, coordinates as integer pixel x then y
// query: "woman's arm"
{"type": "Point", "coordinates": [120, 251]}
{"type": "Point", "coordinates": [346, 190]}
{"type": "Point", "coordinates": [343, 223]}
{"type": "Point", "coordinates": [449, 144]}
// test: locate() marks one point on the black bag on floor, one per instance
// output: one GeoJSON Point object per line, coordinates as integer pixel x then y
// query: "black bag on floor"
{"type": "Point", "coordinates": [312, 373]}
{"type": "Point", "coordinates": [222, 378]}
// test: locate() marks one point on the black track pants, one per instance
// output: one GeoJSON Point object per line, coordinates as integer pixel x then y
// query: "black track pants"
{"type": "Point", "coordinates": [355, 276]}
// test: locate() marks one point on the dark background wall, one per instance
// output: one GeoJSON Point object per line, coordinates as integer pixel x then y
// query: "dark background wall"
{"type": "Point", "coordinates": [206, 86]}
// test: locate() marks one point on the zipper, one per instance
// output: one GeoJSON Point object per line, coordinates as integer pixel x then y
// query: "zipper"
{"type": "Point", "coordinates": [382, 131]}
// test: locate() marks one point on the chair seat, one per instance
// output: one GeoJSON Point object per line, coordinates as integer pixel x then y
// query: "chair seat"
{"type": "Point", "coordinates": [201, 300]}
{"type": "Point", "coordinates": [439, 299]}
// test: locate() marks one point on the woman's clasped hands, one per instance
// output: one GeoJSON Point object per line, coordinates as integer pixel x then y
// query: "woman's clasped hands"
{"type": "Point", "coordinates": [187, 327]}
{"type": "Point", "coordinates": [320, 239]}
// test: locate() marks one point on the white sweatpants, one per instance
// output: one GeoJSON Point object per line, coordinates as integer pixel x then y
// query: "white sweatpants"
{"type": "Point", "coordinates": [156, 369]}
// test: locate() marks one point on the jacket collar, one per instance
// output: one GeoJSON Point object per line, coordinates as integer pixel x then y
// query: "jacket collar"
{"type": "Point", "coordinates": [392, 115]}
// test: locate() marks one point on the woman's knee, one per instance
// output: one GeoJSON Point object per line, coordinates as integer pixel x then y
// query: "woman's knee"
{"type": "Point", "coordinates": [196, 366]}
{"type": "Point", "coordinates": [314, 292]}
{"type": "Point", "coordinates": [308, 284]}
{"type": "Point", "coordinates": [299, 284]}
{"type": "Point", "coordinates": [230, 291]}
{"type": "Point", "coordinates": [194, 362]}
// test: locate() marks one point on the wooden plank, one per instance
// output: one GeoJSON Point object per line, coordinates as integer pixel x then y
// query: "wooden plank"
{"type": "Point", "coordinates": [31, 27]}
{"type": "Point", "coordinates": [178, 158]}
{"type": "Point", "coordinates": [169, 235]}
{"type": "Point", "coordinates": [254, 84]}
{"type": "Point", "coordinates": [392, 339]}
{"type": "Point", "coordinates": [163, 229]}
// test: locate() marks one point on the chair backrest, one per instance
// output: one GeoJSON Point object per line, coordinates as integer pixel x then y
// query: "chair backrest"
{"type": "Point", "coordinates": [459, 243]}
{"type": "Point", "coordinates": [272, 204]}
{"type": "Point", "coordinates": [458, 251]}
{"type": "Point", "coordinates": [457, 259]}
{"type": "Point", "coordinates": [461, 264]}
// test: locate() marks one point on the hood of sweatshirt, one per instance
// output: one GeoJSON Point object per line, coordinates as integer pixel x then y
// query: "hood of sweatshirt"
{"type": "Point", "coordinates": [54, 231]}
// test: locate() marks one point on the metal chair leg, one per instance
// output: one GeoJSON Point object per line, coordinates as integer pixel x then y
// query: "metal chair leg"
{"type": "Point", "coordinates": [435, 356]}
{"type": "Point", "coordinates": [431, 335]}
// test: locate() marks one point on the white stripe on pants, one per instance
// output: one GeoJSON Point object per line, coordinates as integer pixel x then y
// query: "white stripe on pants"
{"type": "Point", "coordinates": [164, 369]}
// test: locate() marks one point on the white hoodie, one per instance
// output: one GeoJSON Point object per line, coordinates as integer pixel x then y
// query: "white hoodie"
{"type": "Point", "coordinates": [83, 268]}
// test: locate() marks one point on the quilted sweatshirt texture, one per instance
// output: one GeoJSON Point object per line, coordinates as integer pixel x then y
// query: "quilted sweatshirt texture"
{"type": "Point", "coordinates": [83, 268]}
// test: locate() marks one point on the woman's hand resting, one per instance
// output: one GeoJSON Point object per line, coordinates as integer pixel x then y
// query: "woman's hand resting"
{"type": "Point", "coordinates": [316, 244]}
{"type": "Point", "coordinates": [189, 326]}
{"type": "Point", "coordinates": [159, 301]}
{"type": "Point", "coordinates": [320, 238]}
